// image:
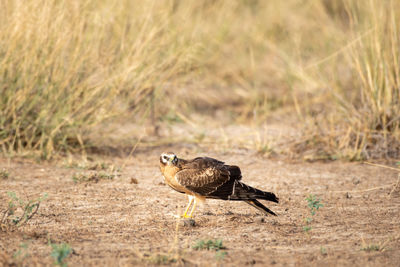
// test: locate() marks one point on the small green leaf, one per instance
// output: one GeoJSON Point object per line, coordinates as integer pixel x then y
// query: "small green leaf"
{"type": "Point", "coordinates": [60, 252]}
{"type": "Point", "coordinates": [12, 195]}
{"type": "Point", "coordinates": [220, 255]}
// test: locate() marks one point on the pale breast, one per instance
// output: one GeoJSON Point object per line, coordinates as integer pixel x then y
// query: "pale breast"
{"type": "Point", "coordinates": [169, 175]}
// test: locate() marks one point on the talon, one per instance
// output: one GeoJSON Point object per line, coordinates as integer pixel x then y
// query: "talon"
{"type": "Point", "coordinates": [184, 216]}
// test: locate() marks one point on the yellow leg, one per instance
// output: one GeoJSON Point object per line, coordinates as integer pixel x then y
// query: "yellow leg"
{"type": "Point", "coordinates": [191, 198]}
{"type": "Point", "coordinates": [193, 208]}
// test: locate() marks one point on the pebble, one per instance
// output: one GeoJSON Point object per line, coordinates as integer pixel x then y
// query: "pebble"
{"type": "Point", "coordinates": [188, 223]}
{"type": "Point", "coordinates": [260, 219]}
{"type": "Point", "coordinates": [356, 180]}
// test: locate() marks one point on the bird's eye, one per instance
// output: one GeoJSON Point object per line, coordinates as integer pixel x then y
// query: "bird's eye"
{"type": "Point", "coordinates": [165, 157]}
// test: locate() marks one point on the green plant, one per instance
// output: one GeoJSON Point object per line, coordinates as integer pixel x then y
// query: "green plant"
{"type": "Point", "coordinates": [19, 211]}
{"type": "Point", "coordinates": [313, 204]}
{"type": "Point", "coordinates": [161, 259]}
{"type": "Point", "coordinates": [22, 253]}
{"type": "Point", "coordinates": [4, 174]}
{"type": "Point", "coordinates": [220, 255]}
{"type": "Point", "coordinates": [381, 246]}
{"type": "Point", "coordinates": [60, 252]}
{"type": "Point", "coordinates": [105, 175]}
{"type": "Point", "coordinates": [209, 245]}
{"type": "Point", "coordinates": [371, 247]}
{"type": "Point", "coordinates": [215, 245]}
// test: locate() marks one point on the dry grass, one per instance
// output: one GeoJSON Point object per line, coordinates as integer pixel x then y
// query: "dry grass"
{"type": "Point", "coordinates": [363, 121]}
{"type": "Point", "coordinates": [66, 66]}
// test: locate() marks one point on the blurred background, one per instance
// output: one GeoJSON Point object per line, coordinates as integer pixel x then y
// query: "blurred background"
{"type": "Point", "coordinates": [314, 80]}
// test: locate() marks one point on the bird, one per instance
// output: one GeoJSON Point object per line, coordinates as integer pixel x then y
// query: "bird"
{"type": "Point", "coordinates": [204, 178]}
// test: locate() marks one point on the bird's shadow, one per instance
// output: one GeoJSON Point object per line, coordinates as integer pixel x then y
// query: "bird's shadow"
{"type": "Point", "coordinates": [230, 213]}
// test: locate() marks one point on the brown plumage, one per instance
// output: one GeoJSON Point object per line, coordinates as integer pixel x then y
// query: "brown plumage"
{"type": "Point", "coordinates": [204, 177]}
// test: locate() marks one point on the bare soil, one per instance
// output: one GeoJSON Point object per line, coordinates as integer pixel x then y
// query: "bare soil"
{"type": "Point", "coordinates": [129, 220]}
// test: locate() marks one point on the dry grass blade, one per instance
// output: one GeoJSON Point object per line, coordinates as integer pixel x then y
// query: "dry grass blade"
{"type": "Point", "coordinates": [395, 187]}
{"type": "Point", "coordinates": [365, 190]}
{"type": "Point", "coordinates": [382, 166]}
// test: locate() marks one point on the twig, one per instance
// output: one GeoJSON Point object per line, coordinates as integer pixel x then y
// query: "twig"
{"type": "Point", "coordinates": [365, 190]}
{"type": "Point", "coordinates": [395, 186]}
{"type": "Point", "coordinates": [23, 221]}
{"type": "Point", "coordinates": [5, 213]}
{"type": "Point", "coordinates": [382, 166]}
{"type": "Point", "coordinates": [132, 150]}
{"type": "Point", "coordinates": [319, 62]}
{"type": "Point", "coordinates": [186, 119]}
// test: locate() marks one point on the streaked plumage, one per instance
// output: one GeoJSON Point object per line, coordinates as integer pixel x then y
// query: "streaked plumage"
{"type": "Point", "coordinates": [204, 177]}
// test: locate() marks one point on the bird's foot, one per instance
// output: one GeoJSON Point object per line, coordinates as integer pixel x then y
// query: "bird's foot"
{"type": "Point", "coordinates": [184, 216]}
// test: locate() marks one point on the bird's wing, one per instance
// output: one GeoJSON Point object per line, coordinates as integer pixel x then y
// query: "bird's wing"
{"type": "Point", "coordinates": [204, 176]}
{"type": "Point", "coordinates": [201, 163]}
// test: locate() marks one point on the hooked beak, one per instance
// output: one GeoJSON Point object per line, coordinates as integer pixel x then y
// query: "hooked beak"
{"type": "Point", "coordinates": [172, 160]}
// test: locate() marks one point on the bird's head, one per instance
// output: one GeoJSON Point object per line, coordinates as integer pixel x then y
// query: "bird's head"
{"type": "Point", "coordinates": [168, 158]}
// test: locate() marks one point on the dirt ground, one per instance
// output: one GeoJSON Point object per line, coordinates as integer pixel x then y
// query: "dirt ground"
{"type": "Point", "coordinates": [129, 220]}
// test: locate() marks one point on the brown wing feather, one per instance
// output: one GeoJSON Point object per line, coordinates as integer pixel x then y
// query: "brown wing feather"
{"type": "Point", "coordinates": [201, 163]}
{"type": "Point", "coordinates": [205, 175]}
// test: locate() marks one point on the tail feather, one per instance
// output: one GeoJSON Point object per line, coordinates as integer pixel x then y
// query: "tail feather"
{"type": "Point", "coordinates": [245, 192]}
{"type": "Point", "coordinates": [257, 204]}
{"type": "Point", "coordinates": [238, 191]}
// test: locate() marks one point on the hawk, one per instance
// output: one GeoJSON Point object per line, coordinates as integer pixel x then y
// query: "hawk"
{"type": "Point", "coordinates": [205, 177]}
